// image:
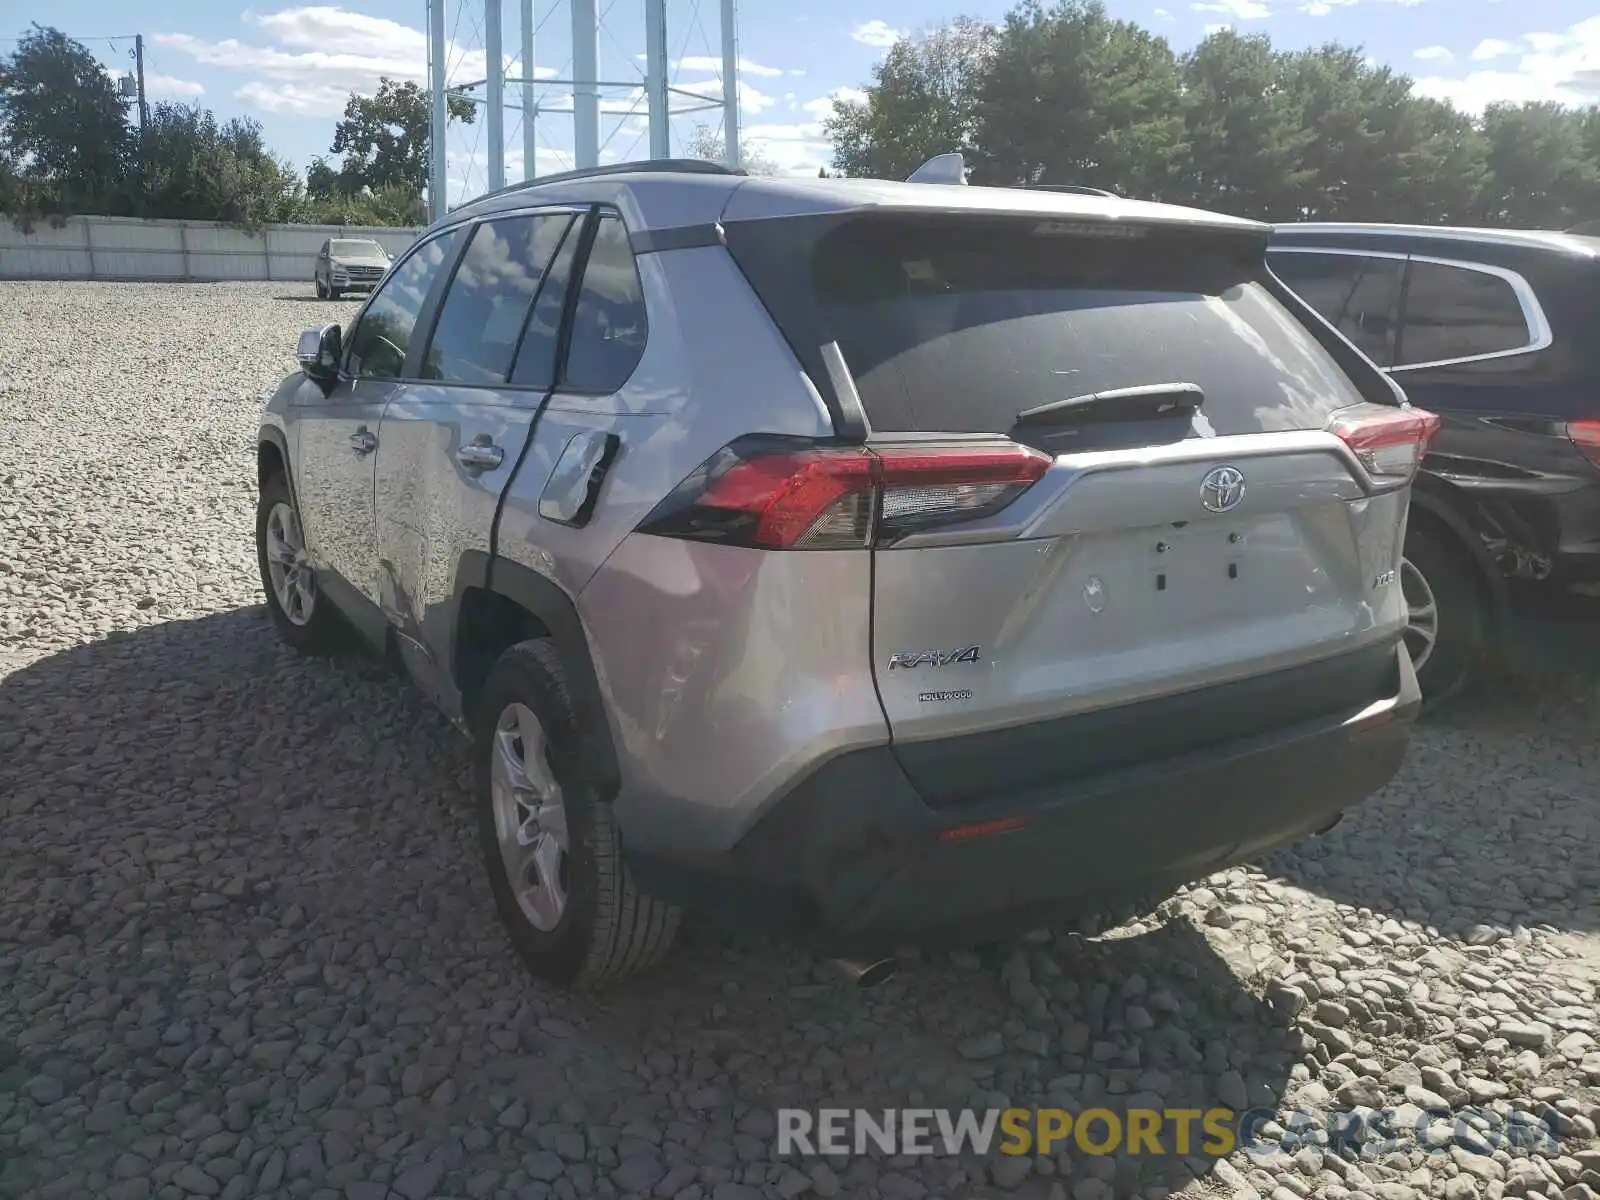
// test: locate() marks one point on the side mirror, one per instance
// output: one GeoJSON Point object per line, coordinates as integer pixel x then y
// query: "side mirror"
{"type": "Point", "coordinates": [319, 352]}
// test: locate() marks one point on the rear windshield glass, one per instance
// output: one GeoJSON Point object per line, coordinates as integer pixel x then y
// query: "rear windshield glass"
{"type": "Point", "coordinates": [958, 325]}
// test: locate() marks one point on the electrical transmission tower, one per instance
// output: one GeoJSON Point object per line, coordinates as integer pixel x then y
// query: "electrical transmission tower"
{"type": "Point", "coordinates": [581, 91]}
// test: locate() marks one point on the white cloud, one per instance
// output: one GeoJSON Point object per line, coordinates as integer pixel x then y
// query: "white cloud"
{"type": "Point", "coordinates": [751, 100]}
{"type": "Point", "coordinates": [876, 33]}
{"type": "Point", "coordinates": [794, 149]}
{"type": "Point", "coordinates": [1491, 48]}
{"type": "Point", "coordinates": [1162, 14]}
{"type": "Point", "coordinates": [1560, 67]}
{"type": "Point", "coordinates": [1256, 10]}
{"type": "Point", "coordinates": [167, 85]}
{"type": "Point", "coordinates": [1434, 54]}
{"type": "Point", "coordinates": [822, 107]}
{"type": "Point", "coordinates": [156, 85]}
{"type": "Point", "coordinates": [1239, 10]}
{"type": "Point", "coordinates": [705, 62]}
{"type": "Point", "coordinates": [318, 55]}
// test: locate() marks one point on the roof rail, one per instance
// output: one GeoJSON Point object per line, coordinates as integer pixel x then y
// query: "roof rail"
{"type": "Point", "coordinates": [666, 166]}
{"type": "Point", "coordinates": [1076, 189]}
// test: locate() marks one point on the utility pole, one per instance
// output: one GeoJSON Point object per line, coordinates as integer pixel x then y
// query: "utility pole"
{"type": "Point", "coordinates": [144, 122]}
{"type": "Point", "coordinates": [586, 85]}
{"type": "Point", "coordinates": [530, 111]}
{"type": "Point", "coordinates": [438, 201]}
{"type": "Point", "coordinates": [730, 84]}
{"type": "Point", "coordinates": [495, 114]}
{"type": "Point", "coordinates": [655, 44]}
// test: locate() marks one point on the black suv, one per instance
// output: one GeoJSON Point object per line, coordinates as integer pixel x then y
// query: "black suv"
{"type": "Point", "coordinates": [1496, 331]}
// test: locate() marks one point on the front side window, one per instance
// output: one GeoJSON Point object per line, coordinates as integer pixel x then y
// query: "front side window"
{"type": "Point", "coordinates": [608, 326]}
{"type": "Point", "coordinates": [485, 313]}
{"type": "Point", "coordinates": [1354, 292]}
{"type": "Point", "coordinates": [377, 347]}
{"type": "Point", "coordinates": [1457, 312]}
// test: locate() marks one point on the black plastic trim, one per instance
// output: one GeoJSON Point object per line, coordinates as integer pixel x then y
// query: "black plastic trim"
{"type": "Point", "coordinates": [953, 772]}
{"type": "Point", "coordinates": [684, 237]}
{"type": "Point", "coordinates": [271, 433]}
{"type": "Point", "coordinates": [554, 609]}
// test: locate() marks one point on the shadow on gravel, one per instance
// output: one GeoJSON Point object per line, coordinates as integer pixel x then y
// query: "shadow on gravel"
{"type": "Point", "coordinates": [234, 881]}
{"type": "Point", "coordinates": [1494, 821]}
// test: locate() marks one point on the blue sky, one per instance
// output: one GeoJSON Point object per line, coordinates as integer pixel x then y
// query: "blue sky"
{"type": "Point", "coordinates": [291, 66]}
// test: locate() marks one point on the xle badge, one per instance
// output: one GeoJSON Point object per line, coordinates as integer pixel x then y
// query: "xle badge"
{"type": "Point", "coordinates": [1094, 593]}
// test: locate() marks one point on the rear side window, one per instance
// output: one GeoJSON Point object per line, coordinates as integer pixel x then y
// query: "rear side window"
{"type": "Point", "coordinates": [485, 313]}
{"type": "Point", "coordinates": [383, 333]}
{"type": "Point", "coordinates": [1458, 312]}
{"type": "Point", "coordinates": [608, 325]}
{"type": "Point", "coordinates": [1358, 295]}
{"type": "Point", "coordinates": [958, 324]}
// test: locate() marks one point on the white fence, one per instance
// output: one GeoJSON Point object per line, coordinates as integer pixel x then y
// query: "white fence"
{"type": "Point", "coordinates": [129, 248]}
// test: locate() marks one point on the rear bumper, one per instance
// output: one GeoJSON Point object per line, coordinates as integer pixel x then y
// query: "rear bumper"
{"type": "Point", "coordinates": [853, 857]}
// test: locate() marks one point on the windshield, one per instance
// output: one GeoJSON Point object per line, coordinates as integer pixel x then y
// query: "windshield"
{"type": "Point", "coordinates": [352, 248]}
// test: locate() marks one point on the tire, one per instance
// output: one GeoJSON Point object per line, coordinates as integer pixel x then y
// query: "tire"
{"type": "Point", "coordinates": [322, 292]}
{"type": "Point", "coordinates": [333, 292]}
{"type": "Point", "coordinates": [1436, 566]}
{"type": "Point", "coordinates": [315, 626]}
{"type": "Point", "coordinates": [603, 929]}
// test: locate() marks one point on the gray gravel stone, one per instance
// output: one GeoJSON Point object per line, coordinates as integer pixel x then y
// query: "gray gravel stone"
{"type": "Point", "coordinates": [240, 899]}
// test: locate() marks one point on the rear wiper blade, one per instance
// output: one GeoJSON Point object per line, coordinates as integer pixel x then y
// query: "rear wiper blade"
{"type": "Point", "coordinates": [1119, 404]}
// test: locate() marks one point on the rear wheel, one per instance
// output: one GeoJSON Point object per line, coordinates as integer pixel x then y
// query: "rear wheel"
{"type": "Point", "coordinates": [1447, 621]}
{"type": "Point", "coordinates": [551, 846]}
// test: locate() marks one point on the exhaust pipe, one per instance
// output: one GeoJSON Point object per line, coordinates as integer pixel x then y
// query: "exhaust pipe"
{"type": "Point", "coordinates": [865, 975]}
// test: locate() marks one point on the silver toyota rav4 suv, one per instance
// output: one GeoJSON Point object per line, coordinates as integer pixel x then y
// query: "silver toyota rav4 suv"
{"type": "Point", "coordinates": [876, 560]}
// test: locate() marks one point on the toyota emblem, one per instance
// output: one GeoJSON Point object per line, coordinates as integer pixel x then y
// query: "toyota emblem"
{"type": "Point", "coordinates": [1222, 488]}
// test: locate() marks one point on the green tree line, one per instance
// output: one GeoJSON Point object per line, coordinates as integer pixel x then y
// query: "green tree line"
{"type": "Point", "coordinates": [1068, 94]}
{"type": "Point", "coordinates": [69, 144]}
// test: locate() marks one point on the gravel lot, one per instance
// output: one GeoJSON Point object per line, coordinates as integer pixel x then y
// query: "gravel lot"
{"type": "Point", "coordinates": [246, 948]}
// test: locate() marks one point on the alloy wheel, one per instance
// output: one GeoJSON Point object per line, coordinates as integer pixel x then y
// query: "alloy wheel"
{"type": "Point", "coordinates": [530, 818]}
{"type": "Point", "coordinates": [293, 581]}
{"type": "Point", "coordinates": [1422, 614]}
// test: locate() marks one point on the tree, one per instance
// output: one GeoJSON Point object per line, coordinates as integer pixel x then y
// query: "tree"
{"type": "Point", "coordinates": [922, 102]}
{"type": "Point", "coordinates": [384, 138]}
{"type": "Point", "coordinates": [64, 128]}
{"type": "Point", "coordinates": [198, 169]}
{"type": "Point", "coordinates": [1072, 96]}
{"type": "Point", "coordinates": [706, 143]}
{"type": "Point", "coordinates": [1539, 173]}
{"type": "Point", "coordinates": [1245, 134]}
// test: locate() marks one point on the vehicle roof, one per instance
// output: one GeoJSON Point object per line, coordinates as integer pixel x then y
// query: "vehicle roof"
{"type": "Point", "coordinates": [652, 200]}
{"type": "Point", "coordinates": [1347, 234]}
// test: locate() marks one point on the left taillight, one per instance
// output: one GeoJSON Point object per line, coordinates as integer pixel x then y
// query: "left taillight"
{"type": "Point", "coordinates": [1389, 442]}
{"type": "Point", "coordinates": [1585, 436]}
{"type": "Point", "coordinates": [774, 494]}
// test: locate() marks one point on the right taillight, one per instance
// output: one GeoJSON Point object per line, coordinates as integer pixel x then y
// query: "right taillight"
{"type": "Point", "coordinates": [1585, 436]}
{"type": "Point", "coordinates": [1389, 442]}
{"type": "Point", "coordinates": [776, 494]}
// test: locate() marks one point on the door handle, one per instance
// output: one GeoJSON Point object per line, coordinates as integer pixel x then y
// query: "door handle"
{"type": "Point", "coordinates": [480, 454]}
{"type": "Point", "coordinates": [363, 442]}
